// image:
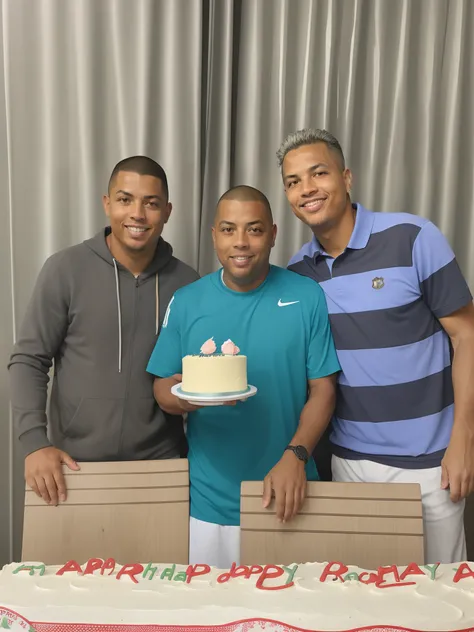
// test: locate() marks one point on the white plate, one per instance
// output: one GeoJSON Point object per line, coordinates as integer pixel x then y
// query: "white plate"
{"type": "Point", "coordinates": [212, 400]}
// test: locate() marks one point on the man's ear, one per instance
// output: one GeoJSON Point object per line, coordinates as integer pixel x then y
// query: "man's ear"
{"type": "Point", "coordinates": [347, 175]}
{"type": "Point", "coordinates": [106, 204]}
{"type": "Point", "coordinates": [167, 212]}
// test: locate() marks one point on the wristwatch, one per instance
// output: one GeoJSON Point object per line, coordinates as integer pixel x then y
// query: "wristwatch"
{"type": "Point", "coordinates": [300, 451]}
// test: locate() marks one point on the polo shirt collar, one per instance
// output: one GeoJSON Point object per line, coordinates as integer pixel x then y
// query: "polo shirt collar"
{"type": "Point", "coordinates": [362, 228]}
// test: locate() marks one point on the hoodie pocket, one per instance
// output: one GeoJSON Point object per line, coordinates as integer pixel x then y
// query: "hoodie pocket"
{"type": "Point", "coordinates": [147, 433]}
{"type": "Point", "coordinates": [64, 415]}
{"type": "Point", "coordinates": [95, 427]}
{"type": "Point", "coordinates": [142, 425]}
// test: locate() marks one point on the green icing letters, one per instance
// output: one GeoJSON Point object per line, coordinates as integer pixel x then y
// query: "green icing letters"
{"type": "Point", "coordinates": [149, 569]}
{"type": "Point", "coordinates": [168, 573]}
{"type": "Point", "coordinates": [180, 577]}
{"type": "Point", "coordinates": [432, 568]}
{"type": "Point", "coordinates": [350, 576]}
{"type": "Point", "coordinates": [32, 569]}
{"type": "Point", "coordinates": [291, 573]}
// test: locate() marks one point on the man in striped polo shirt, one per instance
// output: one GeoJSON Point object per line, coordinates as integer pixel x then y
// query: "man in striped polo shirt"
{"type": "Point", "coordinates": [396, 300]}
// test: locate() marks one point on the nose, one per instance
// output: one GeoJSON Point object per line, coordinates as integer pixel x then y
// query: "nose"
{"type": "Point", "coordinates": [241, 239]}
{"type": "Point", "coordinates": [308, 186]}
{"type": "Point", "coordinates": [138, 211]}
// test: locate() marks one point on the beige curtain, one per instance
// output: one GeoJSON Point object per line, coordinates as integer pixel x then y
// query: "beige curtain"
{"type": "Point", "coordinates": [209, 88]}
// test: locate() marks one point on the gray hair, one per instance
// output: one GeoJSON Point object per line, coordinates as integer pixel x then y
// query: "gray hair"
{"type": "Point", "coordinates": [310, 136]}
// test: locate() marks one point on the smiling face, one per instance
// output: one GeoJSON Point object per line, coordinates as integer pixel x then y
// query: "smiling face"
{"type": "Point", "coordinates": [316, 186]}
{"type": "Point", "coordinates": [243, 235]}
{"type": "Point", "coordinates": [138, 208]}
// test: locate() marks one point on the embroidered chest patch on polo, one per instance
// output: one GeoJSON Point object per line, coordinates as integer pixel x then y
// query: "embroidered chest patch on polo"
{"type": "Point", "coordinates": [378, 283]}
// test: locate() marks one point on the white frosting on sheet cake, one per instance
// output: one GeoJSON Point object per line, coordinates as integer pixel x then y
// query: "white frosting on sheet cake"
{"type": "Point", "coordinates": [322, 597]}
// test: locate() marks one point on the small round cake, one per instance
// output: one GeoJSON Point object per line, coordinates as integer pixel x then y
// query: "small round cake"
{"type": "Point", "coordinates": [213, 373]}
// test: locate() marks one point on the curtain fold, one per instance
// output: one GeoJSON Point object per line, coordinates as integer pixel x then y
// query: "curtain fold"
{"type": "Point", "coordinates": [218, 119]}
{"type": "Point", "coordinates": [209, 88]}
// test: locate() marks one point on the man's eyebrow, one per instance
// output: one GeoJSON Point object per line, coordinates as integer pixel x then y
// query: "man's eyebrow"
{"type": "Point", "coordinates": [145, 197]}
{"type": "Point", "coordinates": [253, 223]}
{"type": "Point", "coordinates": [312, 168]}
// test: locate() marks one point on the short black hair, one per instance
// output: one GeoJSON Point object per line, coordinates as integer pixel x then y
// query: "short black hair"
{"type": "Point", "coordinates": [142, 165]}
{"type": "Point", "coordinates": [246, 193]}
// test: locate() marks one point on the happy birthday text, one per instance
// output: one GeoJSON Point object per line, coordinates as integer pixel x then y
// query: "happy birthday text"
{"type": "Point", "coordinates": [383, 577]}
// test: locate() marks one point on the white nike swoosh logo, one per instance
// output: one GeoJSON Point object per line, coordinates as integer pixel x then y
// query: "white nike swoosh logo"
{"type": "Point", "coordinates": [280, 304]}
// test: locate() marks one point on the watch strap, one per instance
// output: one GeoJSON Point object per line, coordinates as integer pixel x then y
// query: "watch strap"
{"type": "Point", "coordinates": [299, 451]}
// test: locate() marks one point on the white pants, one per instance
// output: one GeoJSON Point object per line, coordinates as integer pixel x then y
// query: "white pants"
{"type": "Point", "coordinates": [213, 544]}
{"type": "Point", "coordinates": [443, 520]}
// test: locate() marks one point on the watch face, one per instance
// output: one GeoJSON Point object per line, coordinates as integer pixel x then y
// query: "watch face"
{"type": "Point", "coordinates": [301, 453]}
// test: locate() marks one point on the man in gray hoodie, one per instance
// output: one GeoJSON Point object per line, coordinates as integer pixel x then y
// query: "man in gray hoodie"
{"type": "Point", "coordinates": [95, 312]}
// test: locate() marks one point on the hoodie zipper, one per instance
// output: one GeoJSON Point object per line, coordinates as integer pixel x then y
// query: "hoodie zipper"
{"type": "Point", "coordinates": [129, 368]}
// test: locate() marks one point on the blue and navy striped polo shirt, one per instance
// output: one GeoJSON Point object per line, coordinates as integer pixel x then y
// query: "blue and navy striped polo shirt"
{"type": "Point", "coordinates": [385, 294]}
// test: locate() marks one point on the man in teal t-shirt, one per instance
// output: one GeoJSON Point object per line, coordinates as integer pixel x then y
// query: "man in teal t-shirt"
{"type": "Point", "coordinates": [281, 324]}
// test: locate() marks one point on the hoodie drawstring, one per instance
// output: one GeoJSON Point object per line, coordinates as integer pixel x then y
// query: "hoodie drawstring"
{"type": "Point", "coordinates": [157, 305]}
{"type": "Point", "coordinates": [119, 311]}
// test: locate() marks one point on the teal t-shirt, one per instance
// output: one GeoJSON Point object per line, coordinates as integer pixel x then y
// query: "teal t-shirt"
{"type": "Point", "coordinates": [283, 328]}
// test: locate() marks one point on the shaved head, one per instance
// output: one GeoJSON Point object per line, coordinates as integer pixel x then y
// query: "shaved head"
{"type": "Point", "coordinates": [244, 193]}
{"type": "Point", "coordinates": [243, 235]}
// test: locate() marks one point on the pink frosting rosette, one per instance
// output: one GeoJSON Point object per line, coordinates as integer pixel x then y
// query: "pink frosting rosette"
{"type": "Point", "coordinates": [209, 347]}
{"type": "Point", "coordinates": [229, 348]}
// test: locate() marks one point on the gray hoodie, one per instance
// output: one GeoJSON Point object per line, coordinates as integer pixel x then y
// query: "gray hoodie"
{"type": "Point", "coordinates": [99, 324]}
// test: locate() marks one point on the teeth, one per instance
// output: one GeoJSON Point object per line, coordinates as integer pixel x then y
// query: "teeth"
{"type": "Point", "coordinates": [134, 229]}
{"type": "Point", "coordinates": [241, 258]}
{"type": "Point", "coordinates": [313, 203]}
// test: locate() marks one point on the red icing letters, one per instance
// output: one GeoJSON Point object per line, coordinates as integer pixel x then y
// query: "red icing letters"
{"type": "Point", "coordinates": [196, 570]}
{"type": "Point", "coordinates": [255, 570]}
{"type": "Point", "coordinates": [239, 571]}
{"type": "Point", "coordinates": [271, 572]}
{"type": "Point", "coordinates": [94, 564]}
{"type": "Point", "coordinates": [247, 571]}
{"type": "Point", "coordinates": [370, 579]}
{"type": "Point", "coordinates": [462, 572]}
{"type": "Point", "coordinates": [337, 572]}
{"type": "Point", "coordinates": [224, 577]}
{"type": "Point", "coordinates": [131, 570]}
{"type": "Point", "coordinates": [268, 572]}
{"type": "Point", "coordinates": [108, 565]}
{"type": "Point", "coordinates": [411, 569]}
{"type": "Point", "coordinates": [385, 570]}
{"type": "Point", "coordinates": [70, 567]}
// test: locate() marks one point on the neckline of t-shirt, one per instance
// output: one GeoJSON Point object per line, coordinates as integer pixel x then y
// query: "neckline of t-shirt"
{"type": "Point", "coordinates": [225, 288]}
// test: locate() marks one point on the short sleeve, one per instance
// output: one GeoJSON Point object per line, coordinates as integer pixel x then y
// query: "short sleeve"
{"type": "Point", "coordinates": [166, 358]}
{"type": "Point", "coordinates": [442, 283]}
{"type": "Point", "coordinates": [321, 357]}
